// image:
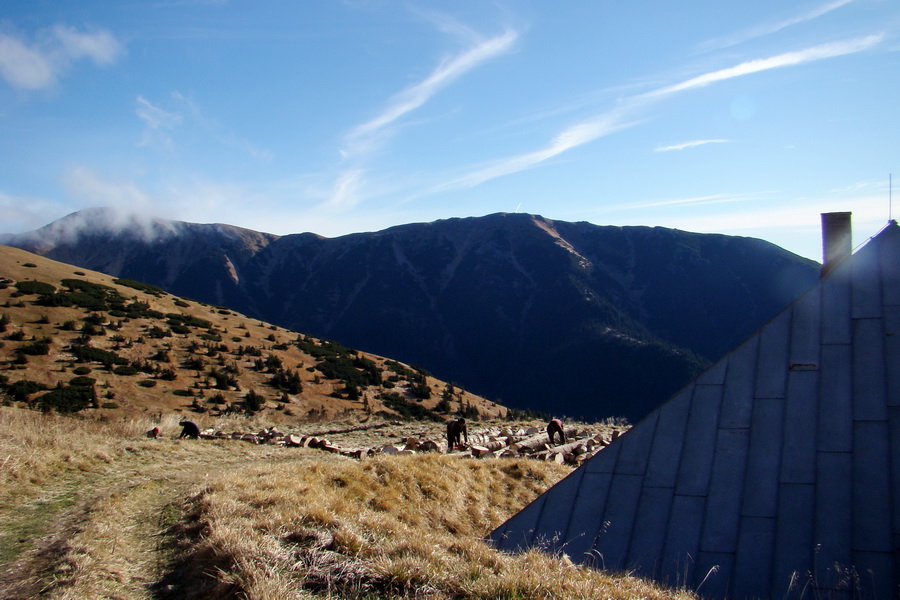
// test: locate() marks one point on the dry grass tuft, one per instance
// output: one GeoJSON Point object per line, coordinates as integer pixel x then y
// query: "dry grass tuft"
{"type": "Point", "coordinates": [34, 446]}
{"type": "Point", "coordinates": [392, 527]}
{"type": "Point", "coordinates": [136, 518]}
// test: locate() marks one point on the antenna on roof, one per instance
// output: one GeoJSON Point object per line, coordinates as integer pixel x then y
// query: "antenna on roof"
{"type": "Point", "coordinates": [890, 196]}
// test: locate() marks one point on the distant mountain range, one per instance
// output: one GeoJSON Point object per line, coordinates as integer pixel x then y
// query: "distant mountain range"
{"type": "Point", "coordinates": [565, 318]}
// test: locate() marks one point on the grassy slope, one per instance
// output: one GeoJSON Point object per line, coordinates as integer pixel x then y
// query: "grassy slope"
{"type": "Point", "coordinates": [96, 510]}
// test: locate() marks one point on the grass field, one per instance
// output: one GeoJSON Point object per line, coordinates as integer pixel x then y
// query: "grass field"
{"type": "Point", "coordinates": [97, 510]}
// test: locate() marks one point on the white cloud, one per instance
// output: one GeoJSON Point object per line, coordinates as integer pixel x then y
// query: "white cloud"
{"type": "Point", "coordinates": [347, 190]}
{"type": "Point", "coordinates": [100, 46]}
{"type": "Point", "coordinates": [216, 131]}
{"type": "Point", "coordinates": [572, 137]}
{"type": "Point", "coordinates": [787, 59]}
{"type": "Point", "coordinates": [364, 137]}
{"type": "Point", "coordinates": [182, 112]}
{"type": "Point", "coordinates": [775, 27]}
{"type": "Point", "coordinates": [38, 65]}
{"type": "Point", "coordinates": [23, 67]}
{"type": "Point", "coordinates": [686, 145]}
{"type": "Point", "coordinates": [154, 116]}
{"type": "Point", "coordinates": [693, 201]}
{"type": "Point", "coordinates": [186, 200]}
{"type": "Point", "coordinates": [25, 213]}
{"type": "Point", "coordinates": [158, 123]}
{"type": "Point", "coordinates": [621, 117]}
{"type": "Point", "coordinates": [86, 186]}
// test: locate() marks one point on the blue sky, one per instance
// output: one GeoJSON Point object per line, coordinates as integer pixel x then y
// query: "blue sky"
{"type": "Point", "coordinates": [335, 117]}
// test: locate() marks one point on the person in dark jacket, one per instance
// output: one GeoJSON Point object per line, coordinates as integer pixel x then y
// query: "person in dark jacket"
{"type": "Point", "coordinates": [189, 429]}
{"type": "Point", "coordinates": [554, 427]}
{"type": "Point", "coordinates": [456, 430]}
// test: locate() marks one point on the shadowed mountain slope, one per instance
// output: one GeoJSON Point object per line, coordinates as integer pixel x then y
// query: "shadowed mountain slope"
{"type": "Point", "coordinates": [569, 318]}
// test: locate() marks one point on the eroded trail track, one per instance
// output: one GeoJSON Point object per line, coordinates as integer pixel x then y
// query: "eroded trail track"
{"type": "Point", "coordinates": [106, 533]}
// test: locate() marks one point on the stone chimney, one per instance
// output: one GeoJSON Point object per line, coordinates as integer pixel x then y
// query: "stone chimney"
{"type": "Point", "coordinates": [837, 243]}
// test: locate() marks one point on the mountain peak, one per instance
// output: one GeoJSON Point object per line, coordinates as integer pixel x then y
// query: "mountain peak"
{"type": "Point", "coordinates": [551, 315]}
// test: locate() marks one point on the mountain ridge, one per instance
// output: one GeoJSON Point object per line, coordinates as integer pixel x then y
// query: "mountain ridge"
{"type": "Point", "coordinates": [577, 318]}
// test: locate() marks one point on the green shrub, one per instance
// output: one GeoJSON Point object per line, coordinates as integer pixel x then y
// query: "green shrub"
{"type": "Point", "coordinates": [67, 399]}
{"type": "Point", "coordinates": [187, 321]}
{"type": "Point", "coordinates": [36, 348]}
{"type": "Point", "coordinates": [141, 310]}
{"type": "Point", "coordinates": [287, 381]}
{"type": "Point", "coordinates": [140, 285]}
{"type": "Point", "coordinates": [109, 405]}
{"type": "Point", "coordinates": [158, 333]}
{"type": "Point", "coordinates": [77, 395]}
{"type": "Point", "coordinates": [20, 390]}
{"type": "Point", "coordinates": [253, 402]}
{"type": "Point", "coordinates": [167, 375]}
{"type": "Point", "coordinates": [84, 294]}
{"type": "Point", "coordinates": [125, 370]}
{"type": "Point", "coordinates": [84, 353]}
{"type": "Point", "coordinates": [34, 287]}
{"type": "Point", "coordinates": [407, 409]}
{"type": "Point", "coordinates": [147, 383]}
{"type": "Point", "coordinates": [223, 379]}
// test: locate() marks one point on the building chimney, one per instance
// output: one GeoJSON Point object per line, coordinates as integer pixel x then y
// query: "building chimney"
{"type": "Point", "coordinates": [837, 242]}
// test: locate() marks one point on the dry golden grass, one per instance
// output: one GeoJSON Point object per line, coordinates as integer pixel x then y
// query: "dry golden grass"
{"type": "Point", "coordinates": [120, 516]}
{"type": "Point", "coordinates": [34, 446]}
{"type": "Point", "coordinates": [392, 527]}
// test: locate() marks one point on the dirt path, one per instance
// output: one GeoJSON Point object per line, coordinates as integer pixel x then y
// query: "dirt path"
{"type": "Point", "coordinates": [104, 534]}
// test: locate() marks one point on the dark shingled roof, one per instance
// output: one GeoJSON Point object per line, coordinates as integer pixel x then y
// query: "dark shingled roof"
{"type": "Point", "coordinates": [775, 474]}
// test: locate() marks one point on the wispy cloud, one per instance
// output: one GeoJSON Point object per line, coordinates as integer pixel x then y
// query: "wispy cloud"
{"type": "Point", "coordinates": [572, 137]}
{"type": "Point", "coordinates": [38, 64]}
{"type": "Point", "coordinates": [100, 46]}
{"type": "Point", "coordinates": [347, 190]}
{"type": "Point", "coordinates": [692, 201]}
{"type": "Point", "coordinates": [158, 124]}
{"type": "Point", "coordinates": [686, 145]}
{"type": "Point", "coordinates": [86, 185]}
{"type": "Point", "coordinates": [24, 213]}
{"type": "Point", "coordinates": [774, 27]}
{"type": "Point", "coordinates": [787, 59]}
{"type": "Point", "coordinates": [624, 114]}
{"type": "Point", "coordinates": [365, 137]}
{"type": "Point", "coordinates": [23, 67]}
{"type": "Point", "coordinates": [216, 131]}
{"type": "Point", "coordinates": [161, 123]}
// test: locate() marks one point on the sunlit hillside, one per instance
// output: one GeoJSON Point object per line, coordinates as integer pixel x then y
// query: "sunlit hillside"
{"type": "Point", "coordinates": [79, 341]}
